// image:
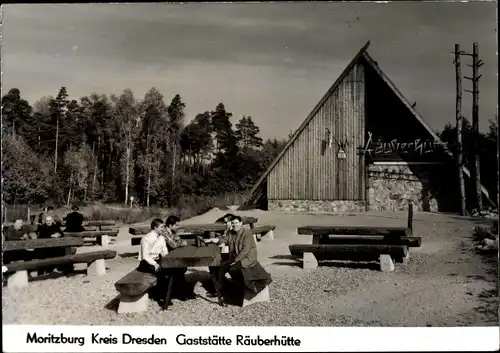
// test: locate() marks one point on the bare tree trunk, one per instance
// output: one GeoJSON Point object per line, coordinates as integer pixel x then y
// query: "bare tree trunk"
{"type": "Point", "coordinates": [127, 179]}
{"type": "Point", "coordinates": [57, 141]}
{"type": "Point", "coordinates": [149, 185]}
{"type": "Point", "coordinates": [70, 188]}
{"type": "Point", "coordinates": [94, 177]}
{"type": "Point", "coordinates": [459, 118]}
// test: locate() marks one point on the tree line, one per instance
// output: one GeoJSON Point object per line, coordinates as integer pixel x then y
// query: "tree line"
{"type": "Point", "coordinates": [109, 148]}
{"type": "Point", "coordinates": [101, 148]}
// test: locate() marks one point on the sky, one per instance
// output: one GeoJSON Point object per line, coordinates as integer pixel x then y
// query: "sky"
{"type": "Point", "coordinates": [270, 61]}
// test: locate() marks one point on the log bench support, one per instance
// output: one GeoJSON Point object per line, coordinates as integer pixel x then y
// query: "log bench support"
{"type": "Point", "coordinates": [96, 268]}
{"type": "Point", "coordinates": [18, 279]}
{"type": "Point", "coordinates": [250, 297]}
{"type": "Point", "coordinates": [386, 263]}
{"type": "Point", "coordinates": [133, 304]}
{"type": "Point", "coordinates": [309, 261]}
{"type": "Point", "coordinates": [103, 240]}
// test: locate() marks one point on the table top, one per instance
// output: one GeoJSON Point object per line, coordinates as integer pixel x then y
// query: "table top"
{"type": "Point", "coordinates": [192, 256]}
{"type": "Point", "coordinates": [11, 245]}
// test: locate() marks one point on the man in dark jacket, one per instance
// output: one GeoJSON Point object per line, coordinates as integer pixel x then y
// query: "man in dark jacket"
{"type": "Point", "coordinates": [49, 229]}
{"type": "Point", "coordinates": [242, 265]}
{"type": "Point", "coordinates": [17, 232]}
{"type": "Point", "coordinates": [74, 221]}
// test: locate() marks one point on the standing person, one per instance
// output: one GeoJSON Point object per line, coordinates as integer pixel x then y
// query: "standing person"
{"type": "Point", "coordinates": [50, 229]}
{"type": "Point", "coordinates": [242, 265]}
{"type": "Point", "coordinates": [74, 221]}
{"type": "Point", "coordinates": [173, 241]}
{"type": "Point", "coordinates": [153, 247]}
{"type": "Point", "coordinates": [17, 232]}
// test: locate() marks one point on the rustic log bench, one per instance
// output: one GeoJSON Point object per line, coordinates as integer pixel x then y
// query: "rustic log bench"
{"type": "Point", "coordinates": [258, 232]}
{"type": "Point", "coordinates": [102, 236]}
{"type": "Point", "coordinates": [357, 243]}
{"type": "Point", "coordinates": [133, 289]}
{"type": "Point", "coordinates": [94, 260]}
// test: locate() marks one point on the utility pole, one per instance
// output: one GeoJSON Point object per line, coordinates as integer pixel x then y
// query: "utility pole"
{"type": "Point", "coordinates": [476, 64]}
{"type": "Point", "coordinates": [459, 118]}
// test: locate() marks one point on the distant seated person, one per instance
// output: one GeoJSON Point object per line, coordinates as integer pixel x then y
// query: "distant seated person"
{"type": "Point", "coordinates": [49, 230]}
{"type": "Point", "coordinates": [17, 232]}
{"type": "Point", "coordinates": [242, 265]}
{"type": "Point", "coordinates": [49, 211]}
{"type": "Point", "coordinates": [173, 241]}
{"type": "Point", "coordinates": [153, 248]}
{"type": "Point", "coordinates": [74, 221]}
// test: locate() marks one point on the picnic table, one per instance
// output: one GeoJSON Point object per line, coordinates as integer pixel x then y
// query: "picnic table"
{"type": "Point", "coordinates": [192, 256]}
{"type": "Point", "coordinates": [358, 242]}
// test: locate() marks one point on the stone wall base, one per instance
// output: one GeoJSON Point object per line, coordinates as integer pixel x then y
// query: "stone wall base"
{"type": "Point", "coordinates": [316, 206]}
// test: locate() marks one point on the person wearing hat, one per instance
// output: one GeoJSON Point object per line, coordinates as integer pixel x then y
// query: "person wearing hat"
{"type": "Point", "coordinates": [74, 221]}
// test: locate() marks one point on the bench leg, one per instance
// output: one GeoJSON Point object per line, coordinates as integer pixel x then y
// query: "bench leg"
{"type": "Point", "coordinates": [386, 263]}
{"type": "Point", "coordinates": [103, 240]}
{"type": "Point", "coordinates": [316, 239]}
{"type": "Point", "coordinates": [129, 304]}
{"type": "Point", "coordinates": [309, 261]}
{"type": "Point", "coordinates": [250, 297]}
{"type": "Point", "coordinates": [18, 279]}
{"type": "Point", "coordinates": [96, 268]}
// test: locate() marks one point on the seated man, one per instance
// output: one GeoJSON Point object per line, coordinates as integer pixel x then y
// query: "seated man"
{"type": "Point", "coordinates": [242, 264]}
{"type": "Point", "coordinates": [173, 241]}
{"type": "Point", "coordinates": [49, 229]}
{"type": "Point", "coordinates": [49, 211]}
{"type": "Point", "coordinates": [74, 221]}
{"type": "Point", "coordinates": [153, 247]}
{"type": "Point", "coordinates": [17, 232]}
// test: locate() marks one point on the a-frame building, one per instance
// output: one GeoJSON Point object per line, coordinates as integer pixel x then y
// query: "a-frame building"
{"type": "Point", "coordinates": [363, 147]}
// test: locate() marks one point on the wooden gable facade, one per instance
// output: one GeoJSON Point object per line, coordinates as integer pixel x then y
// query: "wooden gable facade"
{"type": "Point", "coordinates": [361, 120]}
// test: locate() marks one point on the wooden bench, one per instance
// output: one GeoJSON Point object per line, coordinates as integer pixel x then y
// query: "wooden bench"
{"type": "Point", "coordinates": [133, 289]}
{"type": "Point", "coordinates": [102, 236]}
{"type": "Point", "coordinates": [94, 260]}
{"type": "Point", "coordinates": [258, 232]}
{"type": "Point", "coordinates": [358, 243]}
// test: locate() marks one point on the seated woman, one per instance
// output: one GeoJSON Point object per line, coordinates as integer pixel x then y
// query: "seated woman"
{"type": "Point", "coordinates": [153, 247]}
{"type": "Point", "coordinates": [50, 229]}
{"type": "Point", "coordinates": [174, 241]}
{"type": "Point", "coordinates": [242, 265]}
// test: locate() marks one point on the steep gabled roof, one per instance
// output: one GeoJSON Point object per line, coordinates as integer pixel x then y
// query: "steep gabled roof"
{"type": "Point", "coordinates": [362, 54]}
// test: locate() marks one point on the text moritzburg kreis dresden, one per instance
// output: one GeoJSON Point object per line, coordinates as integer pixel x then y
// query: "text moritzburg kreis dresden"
{"type": "Point", "coordinates": [181, 339]}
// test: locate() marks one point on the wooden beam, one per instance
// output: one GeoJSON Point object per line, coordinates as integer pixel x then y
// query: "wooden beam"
{"type": "Point", "coordinates": [347, 252]}
{"type": "Point", "coordinates": [10, 245]}
{"type": "Point", "coordinates": [355, 230]}
{"type": "Point", "coordinates": [60, 260]}
{"type": "Point", "coordinates": [92, 233]}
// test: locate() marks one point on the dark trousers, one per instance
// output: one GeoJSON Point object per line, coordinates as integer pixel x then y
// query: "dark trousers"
{"type": "Point", "coordinates": [234, 271]}
{"type": "Point", "coordinates": [17, 255]}
{"type": "Point", "coordinates": [47, 253]}
{"type": "Point", "coordinates": [160, 291]}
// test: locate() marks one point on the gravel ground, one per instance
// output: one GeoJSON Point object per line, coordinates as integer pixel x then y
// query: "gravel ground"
{"type": "Point", "coordinates": [444, 284]}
